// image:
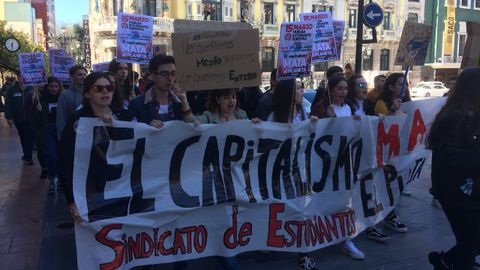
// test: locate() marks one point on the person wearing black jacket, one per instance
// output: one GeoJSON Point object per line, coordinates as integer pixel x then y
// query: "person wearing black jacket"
{"type": "Point", "coordinates": [97, 98]}
{"type": "Point", "coordinates": [455, 143]}
{"type": "Point", "coordinates": [43, 115]}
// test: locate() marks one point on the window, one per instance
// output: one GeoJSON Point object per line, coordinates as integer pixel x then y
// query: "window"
{"type": "Point", "coordinates": [385, 59]}
{"type": "Point", "coordinates": [320, 8]}
{"type": "Point", "coordinates": [462, 41]}
{"type": "Point", "coordinates": [212, 10]}
{"type": "Point", "coordinates": [465, 3]}
{"type": "Point", "coordinates": [149, 8]}
{"type": "Point", "coordinates": [367, 59]}
{"type": "Point", "coordinates": [268, 59]}
{"type": "Point", "coordinates": [199, 9]}
{"type": "Point", "coordinates": [352, 18]}
{"type": "Point", "coordinates": [412, 17]}
{"type": "Point", "coordinates": [477, 4]}
{"type": "Point", "coordinates": [290, 12]}
{"type": "Point", "coordinates": [189, 10]}
{"type": "Point", "coordinates": [268, 11]}
{"type": "Point", "coordinates": [386, 21]}
{"type": "Point", "coordinates": [226, 11]}
{"type": "Point", "coordinates": [320, 67]}
{"type": "Point", "coordinates": [414, 1]}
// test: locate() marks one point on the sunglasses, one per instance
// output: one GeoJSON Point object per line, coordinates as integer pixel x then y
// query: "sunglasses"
{"type": "Point", "coordinates": [100, 88]}
{"type": "Point", "coordinates": [166, 74]}
{"type": "Point", "coordinates": [362, 85]}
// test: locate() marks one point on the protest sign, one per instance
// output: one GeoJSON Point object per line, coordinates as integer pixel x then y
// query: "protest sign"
{"type": "Point", "coordinates": [323, 48]}
{"type": "Point", "coordinates": [134, 38]}
{"type": "Point", "coordinates": [153, 196]}
{"type": "Point", "coordinates": [295, 50]}
{"type": "Point", "coordinates": [338, 28]}
{"type": "Point", "coordinates": [414, 42]}
{"type": "Point", "coordinates": [471, 55]}
{"type": "Point", "coordinates": [52, 53]}
{"type": "Point", "coordinates": [61, 67]}
{"type": "Point", "coordinates": [100, 67]}
{"type": "Point", "coordinates": [216, 60]}
{"type": "Point", "coordinates": [32, 68]}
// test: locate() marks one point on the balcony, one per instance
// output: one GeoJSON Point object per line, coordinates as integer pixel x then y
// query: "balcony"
{"type": "Point", "coordinates": [451, 59]}
{"type": "Point", "coordinates": [109, 25]}
{"type": "Point", "coordinates": [388, 35]}
{"type": "Point", "coordinates": [270, 30]}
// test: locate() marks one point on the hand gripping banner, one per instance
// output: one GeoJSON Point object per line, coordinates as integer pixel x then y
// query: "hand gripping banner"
{"type": "Point", "coordinates": [153, 196]}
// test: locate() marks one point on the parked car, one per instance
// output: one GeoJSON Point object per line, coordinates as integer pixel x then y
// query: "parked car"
{"type": "Point", "coordinates": [429, 89]}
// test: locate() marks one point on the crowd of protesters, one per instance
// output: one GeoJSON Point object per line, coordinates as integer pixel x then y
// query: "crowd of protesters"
{"type": "Point", "coordinates": [46, 118]}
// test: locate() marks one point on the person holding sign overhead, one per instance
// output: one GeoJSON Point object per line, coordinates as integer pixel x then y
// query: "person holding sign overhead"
{"type": "Point", "coordinates": [165, 100]}
{"type": "Point", "coordinates": [124, 84]}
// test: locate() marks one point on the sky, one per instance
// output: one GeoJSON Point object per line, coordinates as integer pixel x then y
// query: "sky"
{"type": "Point", "coordinates": [70, 11]}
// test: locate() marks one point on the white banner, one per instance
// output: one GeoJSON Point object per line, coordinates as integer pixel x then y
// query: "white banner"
{"type": "Point", "coordinates": [153, 196]}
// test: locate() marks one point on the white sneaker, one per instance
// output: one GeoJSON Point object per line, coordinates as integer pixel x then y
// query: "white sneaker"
{"type": "Point", "coordinates": [349, 248]}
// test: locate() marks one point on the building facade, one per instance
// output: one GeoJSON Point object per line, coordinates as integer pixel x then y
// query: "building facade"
{"type": "Point", "coordinates": [267, 16]}
{"type": "Point", "coordinates": [35, 18]}
{"type": "Point", "coordinates": [449, 19]}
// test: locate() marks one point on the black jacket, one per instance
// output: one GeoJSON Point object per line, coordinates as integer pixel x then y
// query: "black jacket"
{"type": "Point", "coordinates": [455, 160]}
{"type": "Point", "coordinates": [67, 148]}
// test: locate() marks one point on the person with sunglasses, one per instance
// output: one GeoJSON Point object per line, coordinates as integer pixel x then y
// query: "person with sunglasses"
{"type": "Point", "coordinates": [357, 94]}
{"type": "Point", "coordinates": [165, 100]}
{"type": "Point", "coordinates": [98, 95]}
{"type": "Point", "coordinates": [358, 101]}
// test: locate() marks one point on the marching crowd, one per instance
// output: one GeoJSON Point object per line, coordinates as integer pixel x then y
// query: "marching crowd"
{"type": "Point", "coordinates": [46, 119]}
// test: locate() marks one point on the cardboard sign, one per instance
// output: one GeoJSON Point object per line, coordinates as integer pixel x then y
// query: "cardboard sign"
{"type": "Point", "coordinates": [61, 67]}
{"type": "Point", "coordinates": [100, 67]}
{"type": "Point", "coordinates": [32, 68]}
{"type": "Point", "coordinates": [471, 54]}
{"type": "Point", "coordinates": [216, 60]}
{"type": "Point", "coordinates": [134, 38]}
{"type": "Point", "coordinates": [338, 28]}
{"type": "Point", "coordinates": [414, 42]}
{"type": "Point", "coordinates": [295, 50]}
{"type": "Point", "coordinates": [323, 48]}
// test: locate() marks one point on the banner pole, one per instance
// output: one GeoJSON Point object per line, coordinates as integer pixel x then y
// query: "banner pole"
{"type": "Point", "coordinates": [404, 84]}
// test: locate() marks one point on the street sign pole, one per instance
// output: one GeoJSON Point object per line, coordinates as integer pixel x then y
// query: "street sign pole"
{"type": "Point", "coordinates": [358, 51]}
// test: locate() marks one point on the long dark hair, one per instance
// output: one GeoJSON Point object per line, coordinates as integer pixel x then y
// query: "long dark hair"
{"type": "Point", "coordinates": [387, 94]}
{"type": "Point", "coordinates": [117, 101]}
{"type": "Point", "coordinates": [45, 91]}
{"type": "Point", "coordinates": [350, 98]}
{"type": "Point", "coordinates": [211, 102]}
{"type": "Point", "coordinates": [124, 92]}
{"type": "Point", "coordinates": [89, 82]}
{"type": "Point", "coordinates": [282, 100]}
{"type": "Point", "coordinates": [325, 102]}
{"type": "Point", "coordinates": [463, 104]}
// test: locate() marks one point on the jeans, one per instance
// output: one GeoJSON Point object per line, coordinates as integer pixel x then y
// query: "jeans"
{"type": "Point", "coordinates": [465, 224]}
{"type": "Point", "coordinates": [51, 153]}
{"type": "Point", "coordinates": [26, 139]}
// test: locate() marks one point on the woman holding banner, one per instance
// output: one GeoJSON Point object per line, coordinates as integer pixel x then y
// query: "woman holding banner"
{"type": "Point", "coordinates": [455, 143]}
{"type": "Point", "coordinates": [333, 103]}
{"type": "Point", "coordinates": [97, 98]}
{"type": "Point", "coordinates": [222, 106]}
{"type": "Point", "coordinates": [389, 103]}
{"type": "Point", "coordinates": [357, 100]}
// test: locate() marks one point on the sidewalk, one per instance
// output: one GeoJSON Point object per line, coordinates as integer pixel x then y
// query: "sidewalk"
{"type": "Point", "coordinates": [36, 231]}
